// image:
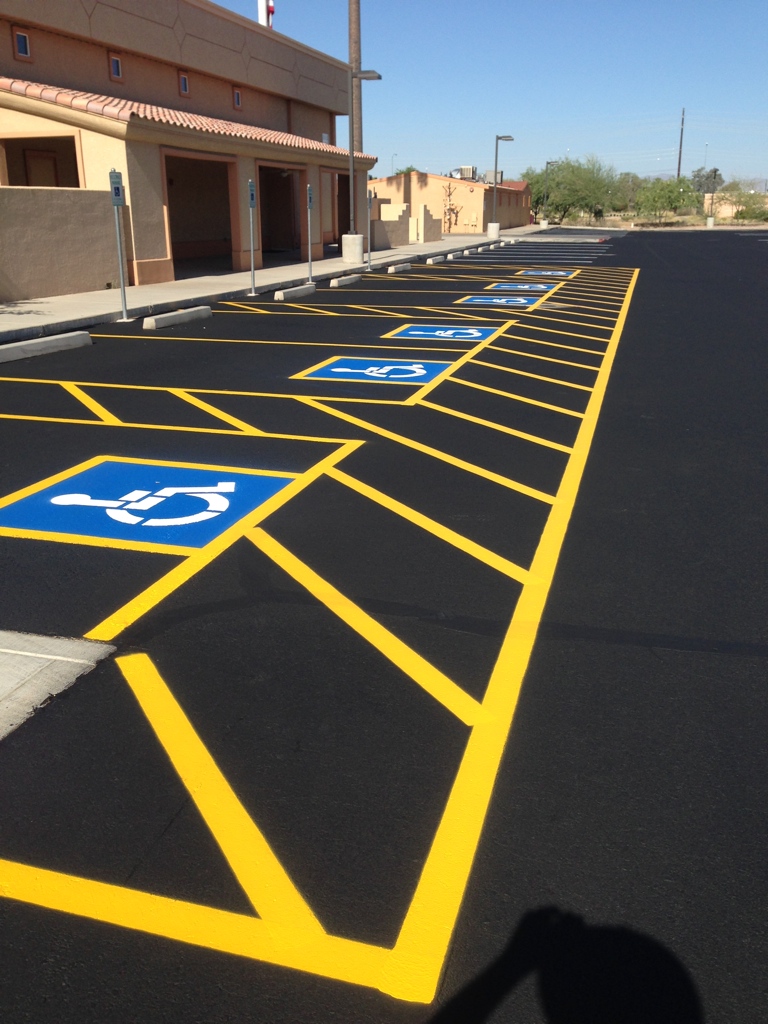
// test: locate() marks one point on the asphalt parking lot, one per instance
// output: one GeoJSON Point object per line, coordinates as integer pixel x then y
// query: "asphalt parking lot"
{"type": "Point", "coordinates": [437, 690]}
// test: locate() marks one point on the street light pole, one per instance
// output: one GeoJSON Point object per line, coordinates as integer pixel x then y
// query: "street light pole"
{"type": "Point", "coordinates": [365, 76]}
{"type": "Point", "coordinates": [499, 138]}
{"type": "Point", "coordinates": [550, 163]}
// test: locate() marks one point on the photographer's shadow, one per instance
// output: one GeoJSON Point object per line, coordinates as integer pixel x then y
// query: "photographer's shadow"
{"type": "Point", "coordinates": [586, 974]}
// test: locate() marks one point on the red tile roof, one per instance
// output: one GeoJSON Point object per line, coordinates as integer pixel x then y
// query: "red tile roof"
{"type": "Point", "coordinates": [125, 110]}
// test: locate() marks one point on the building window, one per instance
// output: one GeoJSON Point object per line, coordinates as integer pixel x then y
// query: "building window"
{"type": "Point", "coordinates": [237, 99]}
{"type": "Point", "coordinates": [183, 83]}
{"type": "Point", "coordinates": [22, 47]}
{"type": "Point", "coordinates": [115, 67]}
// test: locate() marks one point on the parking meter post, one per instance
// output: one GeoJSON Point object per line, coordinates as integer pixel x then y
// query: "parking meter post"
{"type": "Point", "coordinates": [370, 203]}
{"type": "Point", "coordinates": [309, 234]}
{"type": "Point", "coordinates": [251, 206]}
{"type": "Point", "coordinates": [118, 200]}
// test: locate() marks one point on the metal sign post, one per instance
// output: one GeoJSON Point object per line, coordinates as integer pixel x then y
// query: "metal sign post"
{"type": "Point", "coordinates": [309, 232]}
{"type": "Point", "coordinates": [370, 204]}
{"type": "Point", "coordinates": [251, 208]}
{"type": "Point", "coordinates": [118, 200]}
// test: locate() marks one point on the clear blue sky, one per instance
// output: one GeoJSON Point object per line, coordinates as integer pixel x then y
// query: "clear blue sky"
{"type": "Point", "coordinates": [564, 78]}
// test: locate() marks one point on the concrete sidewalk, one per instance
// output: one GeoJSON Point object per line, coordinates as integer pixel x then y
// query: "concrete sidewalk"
{"type": "Point", "coordinates": [56, 314]}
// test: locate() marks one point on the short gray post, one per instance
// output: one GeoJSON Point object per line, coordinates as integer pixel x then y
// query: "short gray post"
{"type": "Point", "coordinates": [309, 233]}
{"type": "Point", "coordinates": [118, 200]}
{"type": "Point", "coordinates": [251, 208]}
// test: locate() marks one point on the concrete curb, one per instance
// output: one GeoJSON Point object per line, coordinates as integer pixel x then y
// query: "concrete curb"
{"type": "Point", "coordinates": [295, 293]}
{"type": "Point", "coordinates": [342, 282]}
{"type": "Point", "coordinates": [469, 252]}
{"type": "Point", "coordinates": [180, 316]}
{"type": "Point", "coordinates": [39, 346]}
{"type": "Point", "coordinates": [435, 259]}
{"type": "Point", "coordinates": [397, 267]}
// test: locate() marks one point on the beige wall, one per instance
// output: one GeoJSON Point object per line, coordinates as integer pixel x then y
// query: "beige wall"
{"type": "Point", "coordinates": [156, 38]}
{"type": "Point", "coordinates": [56, 241]}
{"type": "Point", "coordinates": [473, 200]}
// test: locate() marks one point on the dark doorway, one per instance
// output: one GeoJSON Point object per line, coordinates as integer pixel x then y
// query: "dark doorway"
{"type": "Point", "coordinates": [280, 231]}
{"type": "Point", "coordinates": [42, 162]}
{"type": "Point", "coordinates": [199, 216]}
{"type": "Point", "coordinates": [343, 204]}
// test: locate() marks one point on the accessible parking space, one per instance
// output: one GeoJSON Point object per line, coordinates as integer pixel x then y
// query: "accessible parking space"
{"type": "Point", "coordinates": [320, 537]}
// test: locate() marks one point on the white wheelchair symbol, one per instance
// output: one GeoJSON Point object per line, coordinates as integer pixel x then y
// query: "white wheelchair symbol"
{"type": "Point", "coordinates": [447, 332]}
{"type": "Point", "coordinates": [385, 372]}
{"type": "Point", "coordinates": [142, 501]}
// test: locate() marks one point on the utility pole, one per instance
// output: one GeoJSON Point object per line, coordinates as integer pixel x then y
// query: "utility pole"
{"type": "Point", "coordinates": [356, 100]}
{"type": "Point", "coordinates": [680, 151]}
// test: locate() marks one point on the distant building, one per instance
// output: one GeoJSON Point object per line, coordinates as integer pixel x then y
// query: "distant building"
{"type": "Point", "coordinates": [189, 101]}
{"type": "Point", "coordinates": [462, 206]}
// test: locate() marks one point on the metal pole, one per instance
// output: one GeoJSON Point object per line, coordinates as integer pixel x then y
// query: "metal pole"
{"type": "Point", "coordinates": [251, 205]}
{"type": "Point", "coordinates": [370, 201]}
{"type": "Point", "coordinates": [680, 151]}
{"type": "Point", "coordinates": [120, 261]}
{"type": "Point", "coordinates": [351, 162]}
{"type": "Point", "coordinates": [495, 176]}
{"type": "Point", "coordinates": [309, 233]}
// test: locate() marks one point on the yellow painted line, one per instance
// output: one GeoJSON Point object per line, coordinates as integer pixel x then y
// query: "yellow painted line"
{"type": "Point", "coordinates": [120, 423]}
{"type": "Point", "coordinates": [449, 370]}
{"type": "Point", "coordinates": [544, 359]}
{"type": "Point", "coordinates": [97, 542]}
{"type": "Point", "coordinates": [54, 419]}
{"type": "Point", "coordinates": [186, 396]}
{"type": "Point", "coordinates": [576, 323]}
{"type": "Point", "coordinates": [435, 453]}
{"type": "Point", "coordinates": [378, 312]}
{"type": "Point", "coordinates": [457, 540]}
{"type": "Point", "coordinates": [138, 606]}
{"type": "Point", "coordinates": [496, 426]}
{"type": "Point", "coordinates": [313, 309]}
{"type": "Point", "coordinates": [225, 341]}
{"type": "Point", "coordinates": [90, 403]}
{"type": "Point", "coordinates": [517, 398]}
{"type": "Point", "coordinates": [430, 679]}
{"type": "Point", "coordinates": [257, 869]}
{"type": "Point", "coordinates": [458, 314]}
{"type": "Point", "coordinates": [207, 927]}
{"type": "Point", "coordinates": [425, 936]}
{"type": "Point", "coordinates": [244, 306]}
{"type": "Point", "coordinates": [534, 376]}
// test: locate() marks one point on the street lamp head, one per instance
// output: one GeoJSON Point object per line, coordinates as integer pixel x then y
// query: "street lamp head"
{"type": "Point", "coordinates": [367, 76]}
{"type": "Point", "coordinates": [505, 138]}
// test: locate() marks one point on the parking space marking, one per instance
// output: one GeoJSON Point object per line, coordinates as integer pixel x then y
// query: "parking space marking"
{"type": "Point", "coordinates": [287, 931]}
{"type": "Point", "coordinates": [447, 331]}
{"type": "Point", "coordinates": [517, 398]}
{"type": "Point", "coordinates": [534, 376]}
{"type": "Point", "coordinates": [447, 374]}
{"type": "Point", "coordinates": [380, 371]}
{"type": "Point", "coordinates": [555, 445]}
{"type": "Point", "coordinates": [90, 403]}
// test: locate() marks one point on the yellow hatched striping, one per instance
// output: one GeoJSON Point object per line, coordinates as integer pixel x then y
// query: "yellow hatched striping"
{"type": "Point", "coordinates": [516, 398]}
{"type": "Point", "coordinates": [90, 403]}
{"type": "Point", "coordinates": [496, 426]}
{"type": "Point", "coordinates": [192, 399]}
{"type": "Point", "coordinates": [543, 359]}
{"type": "Point", "coordinates": [435, 453]}
{"type": "Point", "coordinates": [436, 683]}
{"type": "Point", "coordinates": [534, 376]}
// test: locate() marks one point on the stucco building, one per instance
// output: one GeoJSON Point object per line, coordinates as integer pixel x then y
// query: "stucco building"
{"type": "Point", "coordinates": [189, 101]}
{"type": "Point", "coordinates": [462, 206]}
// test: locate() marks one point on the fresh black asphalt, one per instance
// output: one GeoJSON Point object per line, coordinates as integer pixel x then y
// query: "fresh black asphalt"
{"type": "Point", "coordinates": [632, 800]}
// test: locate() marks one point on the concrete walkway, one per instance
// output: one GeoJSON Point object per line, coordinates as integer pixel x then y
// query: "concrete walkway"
{"type": "Point", "coordinates": [56, 314]}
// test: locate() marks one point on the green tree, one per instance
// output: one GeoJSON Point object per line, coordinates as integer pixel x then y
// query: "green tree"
{"type": "Point", "coordinates": [748, 203]}
{"type": "Point", "coordinates": [661, 196]}
{"type": "Point", "coordinates": [624, 191]}
{"type": "Point", "coordinates": [406, 170]}
{"type": "Point", "coordinates": [704, 181]}
{"type": "Point", "coordinates": [536, 181]}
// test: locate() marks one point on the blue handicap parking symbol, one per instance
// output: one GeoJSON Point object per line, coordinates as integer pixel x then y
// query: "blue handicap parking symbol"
{"type": "Point", "coordinates": [521, 286]}
{"type": "Point", "coordinates": [146, 502]}
{"type": "Point", "coordinates": [382, 371]}
{"type": "Point", "coordinates": [519, 301]}
{"type": "Point", "coordinates": [545, 273]}
{"type": "Point", "coordinates": [445, 332]}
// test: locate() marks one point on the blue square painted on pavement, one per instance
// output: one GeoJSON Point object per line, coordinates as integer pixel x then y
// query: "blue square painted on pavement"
{"type": "Point", "coordinates": [445, 332]}
{"type": "Point", "coordinates": [132, 501]}
{"type": "Point", "coordinates": [521, 286]}
{"type": "Point", "coordinates": [545, 273]}
{"type": "Point", "coordinates": [515, 301]}
{"type": "Point", "coordinates": [378, 371]}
